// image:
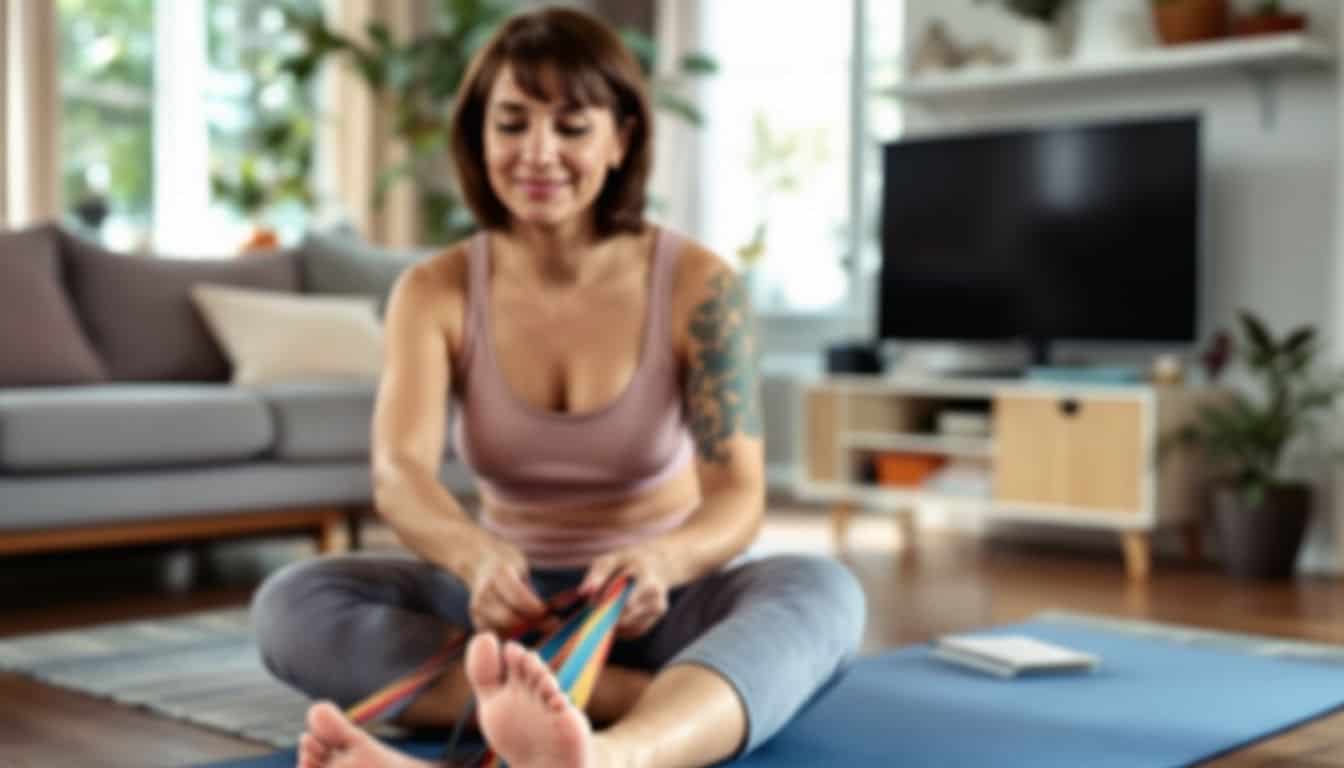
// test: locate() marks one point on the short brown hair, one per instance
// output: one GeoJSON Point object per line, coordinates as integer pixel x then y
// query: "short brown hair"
{"type": "Point", "coordinates": [593, 66]}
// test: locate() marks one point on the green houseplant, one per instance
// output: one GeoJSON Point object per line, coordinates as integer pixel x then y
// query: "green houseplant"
{"type": "Point", "coordinates": [275, 168]}
{"type": "Point", "coordinates": [1260, 515]}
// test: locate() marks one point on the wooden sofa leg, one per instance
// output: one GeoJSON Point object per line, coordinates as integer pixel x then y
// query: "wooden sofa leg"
{"type": "Point", "coordinates": [330, 533]}
{"type": "Point", "coordinates": [354, 527]}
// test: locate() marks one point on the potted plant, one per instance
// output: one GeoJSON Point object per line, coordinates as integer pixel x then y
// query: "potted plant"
{"type": "Point", "coordinates": [275, 168]}
{"type": "Point", "coordinates": [1189, 21]}
{"type": "Point", "coordinates": [1269, 18]}
{"type": "Point", "coordinates": [1260, 516]}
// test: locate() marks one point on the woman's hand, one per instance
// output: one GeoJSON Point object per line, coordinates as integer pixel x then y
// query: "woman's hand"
{"type": "Point", "coordinates": [501, 597]}
{"type": "Point", "coordinates": [646, 566]}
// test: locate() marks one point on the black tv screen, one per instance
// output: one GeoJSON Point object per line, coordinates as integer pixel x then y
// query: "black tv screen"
{"type": "Point", "coordinates": [1083, 232]}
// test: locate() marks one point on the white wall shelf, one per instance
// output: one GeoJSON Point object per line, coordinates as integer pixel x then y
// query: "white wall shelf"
{"type": "Point", "coordinates": [1263, 58]}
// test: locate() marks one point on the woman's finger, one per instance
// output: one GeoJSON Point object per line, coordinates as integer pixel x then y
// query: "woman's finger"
{"type": "Point", "coordinates": [599, 573]}
{"type": "Point", "coordinates": [637, 624]}
{"type": "Point", "coordinates": [517, 594]}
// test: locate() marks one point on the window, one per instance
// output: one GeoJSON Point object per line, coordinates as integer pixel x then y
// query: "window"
{"type": "Point", "coordinates": [107, 79]}
{"type": "Point", "coordinates": [776, 147]}
{"type": "Point", "coordinates": [794, 85]}
{"type": "Point", "coordinates": [138, 151]}
{"type": "Point", "coordinates": [250, 106]}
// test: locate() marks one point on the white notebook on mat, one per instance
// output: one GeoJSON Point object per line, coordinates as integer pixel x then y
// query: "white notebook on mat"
{"type": "Point", "coordinates": [1011, 655]}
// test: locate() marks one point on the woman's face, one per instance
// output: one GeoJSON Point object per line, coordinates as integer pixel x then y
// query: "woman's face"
{"type": "Point", "coordinates": [546, 160]}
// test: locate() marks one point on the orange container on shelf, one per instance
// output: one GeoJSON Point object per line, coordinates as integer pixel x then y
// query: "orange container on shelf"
{"type": "Point", "coordinates": [906, 469]}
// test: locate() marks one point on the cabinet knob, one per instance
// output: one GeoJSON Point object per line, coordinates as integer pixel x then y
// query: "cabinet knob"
{"type": "Point", "coordinates": [1069, 406]}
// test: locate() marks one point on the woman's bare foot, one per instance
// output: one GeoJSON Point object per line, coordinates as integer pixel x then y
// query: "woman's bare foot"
{"type": "Point", "coordinates": [332, 741]}
{"type": "Point", "coordinates": [525, 717]}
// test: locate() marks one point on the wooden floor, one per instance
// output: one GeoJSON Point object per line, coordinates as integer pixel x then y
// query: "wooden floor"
{"type": "Point", "coordinates": [947, 583]}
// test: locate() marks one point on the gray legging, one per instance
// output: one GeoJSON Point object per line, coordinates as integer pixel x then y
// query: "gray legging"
{"type": "Point", "coordinates": [776, 629]}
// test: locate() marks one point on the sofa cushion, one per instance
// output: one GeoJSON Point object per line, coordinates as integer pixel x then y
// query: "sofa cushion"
{"type": "Point", "coordinates": [335, 264]}
{"type": "Point", "coordinates": [139, 314]}
{"type": "Point", "coordinates": [326, 420]}
{"type": "Point", "coordinates": [273, 337]}
{"type": "Point", "coordinates": [41, 342]}
{"type": "Point", "coordinates": [319, 421]}
{"type": "Point", "coordinates": [121, 425]}
{"type": "Point", "coordinates": [48, 502]}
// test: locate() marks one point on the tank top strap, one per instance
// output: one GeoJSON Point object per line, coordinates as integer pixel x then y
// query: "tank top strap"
{"type": "Point", "coordinates": [666, 253]}
{"type": "Point", "coordinates": [478, 297]}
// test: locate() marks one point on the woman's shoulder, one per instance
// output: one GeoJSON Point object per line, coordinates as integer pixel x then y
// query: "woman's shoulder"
{"type": "Point", "coordinates": [699, 268]}
{"type": "Point", "coordinates": [705, 282]}
{"type": "Point", "coordinates": [442, 274]}
{"type": "Point", "coordinates": [436, 286]}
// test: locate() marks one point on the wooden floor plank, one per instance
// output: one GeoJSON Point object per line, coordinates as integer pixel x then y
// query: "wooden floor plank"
{"type": "Point", "coordinates": [948, 583]}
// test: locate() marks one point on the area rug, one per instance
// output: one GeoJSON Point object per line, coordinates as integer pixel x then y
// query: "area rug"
{"type": "Point", "coordinates": [1163, 696]}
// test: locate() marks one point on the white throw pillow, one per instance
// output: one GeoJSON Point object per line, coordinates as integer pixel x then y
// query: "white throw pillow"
{"type": "Point", "coordinates": [271, 337]}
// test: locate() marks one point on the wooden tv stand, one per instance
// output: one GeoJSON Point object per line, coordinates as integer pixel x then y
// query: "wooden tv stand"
{"type": "Point", "coordinates": [1079, 455]}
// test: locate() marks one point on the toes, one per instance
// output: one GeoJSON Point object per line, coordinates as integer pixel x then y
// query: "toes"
{"type": "Point", "coordinates": [329, 726]}
{"type": "Point", "coordinates": [485, 667]}
{"type": "Point", "coordinates": [515, 661]}
{"type": "Point", "coordinates": [554, 699]}
{"type": "Point", "coordinates": [312, 752]}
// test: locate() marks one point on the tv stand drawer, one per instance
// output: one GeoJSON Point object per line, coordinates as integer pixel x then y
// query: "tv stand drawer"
{"type": "Point", "coordinates": [1075, 452]}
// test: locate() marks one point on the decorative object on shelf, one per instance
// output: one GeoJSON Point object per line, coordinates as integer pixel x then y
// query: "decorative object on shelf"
{"type": "Point", "coordinates": [1041, 38]}
{"type": "Point", "coordinates": [985, 54]}
{"type": "Point", "coordinates": [1189, 21]}
{"type": "Point", "coordinates": [906, 470]}
{"type": "Point", "coordinates": [1259, 514]}
{"type": "Point", "coordinates": [1168, 371]}
{"type": "Point", "coordinates": [1112, 29]}
{"type": "Point", "coordinates": [1269, 18]}
{"type": "Point", "coordinates": [938, 51]}
{"type": "Point", "coordinates": [1216, 357]}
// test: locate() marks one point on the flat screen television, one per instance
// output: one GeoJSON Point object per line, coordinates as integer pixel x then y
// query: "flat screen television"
{"type": "Point", "coordinates": [1077, 232]}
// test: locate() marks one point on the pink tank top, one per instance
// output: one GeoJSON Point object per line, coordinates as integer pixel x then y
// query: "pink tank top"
{"type": "Point", "coordinates": [532, 459]}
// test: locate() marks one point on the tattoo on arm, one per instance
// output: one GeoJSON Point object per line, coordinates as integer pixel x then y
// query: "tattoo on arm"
{"type": "Point", "coordinates": [722, 388]}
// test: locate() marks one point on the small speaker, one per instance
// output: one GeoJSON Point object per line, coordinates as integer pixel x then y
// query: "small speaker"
{"type": "Point", "coordinates": [853, 357]}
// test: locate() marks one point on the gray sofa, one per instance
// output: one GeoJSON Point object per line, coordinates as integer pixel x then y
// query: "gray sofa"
{"type": "Point", "coordinates": [117, 421]}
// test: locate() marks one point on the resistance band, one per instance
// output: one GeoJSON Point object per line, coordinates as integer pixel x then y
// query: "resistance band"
{"type": "Point", "coordinates": [575, 652]}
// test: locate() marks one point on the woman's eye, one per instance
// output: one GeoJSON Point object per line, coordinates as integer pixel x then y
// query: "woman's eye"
{"type": "Point", "coordinates": [511, 127]}
{"type": "Point", "coordinates": [573, 130]}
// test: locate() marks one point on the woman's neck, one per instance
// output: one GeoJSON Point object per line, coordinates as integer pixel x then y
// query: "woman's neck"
{"type": "Point", "coordinates": [562, 254]}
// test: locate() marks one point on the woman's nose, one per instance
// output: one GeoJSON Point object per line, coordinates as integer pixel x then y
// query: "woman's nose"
{"type": "Point", "coordinates": [540, 144]}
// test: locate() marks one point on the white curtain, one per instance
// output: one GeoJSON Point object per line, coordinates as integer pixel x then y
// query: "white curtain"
{"type": "Point", "coordinates": [676, 164]}
{"type": "Point", "coordinates": [29, 113]}
{"type": "Point", "coordinates": [357, 140]}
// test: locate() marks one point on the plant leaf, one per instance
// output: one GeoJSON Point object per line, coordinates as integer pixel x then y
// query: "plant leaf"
{"type": "Point", "coordinates": [681, 107]}
{"type": "Point", "coordinates": [698, 63]}
{"type": "Point", "coordinates": [1262, 343]}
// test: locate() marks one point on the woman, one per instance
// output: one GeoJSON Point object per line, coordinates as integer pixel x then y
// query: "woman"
{"type": "Point", "coordinates": [607, 406]}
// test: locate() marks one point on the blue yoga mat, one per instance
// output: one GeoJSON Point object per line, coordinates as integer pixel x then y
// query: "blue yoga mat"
{"type": "Point", "coordinates": [1152, 702]}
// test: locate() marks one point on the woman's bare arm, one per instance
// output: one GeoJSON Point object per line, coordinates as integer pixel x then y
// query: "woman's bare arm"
{"type": "Point", "coordinates": [409, 418]}
{"type": "Point", "coordinates": [723, 407]}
